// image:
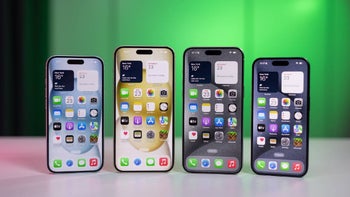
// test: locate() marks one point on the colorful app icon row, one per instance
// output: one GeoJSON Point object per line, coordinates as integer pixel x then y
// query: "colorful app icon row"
{"type": "Point", "coordinates": [81, 126]}
{"type": "Point", "coordinates": [218, 93]}
{"type": "Point", "coordinates": [279, 165]}
{"type": "Point", "coordinates": [284, 128]}
{"type": "Point", "coordinates": [138, 106]}
{"type": "Point", "coordinates": [69, 113]}
{"type": "Point", "coordinates": [69, 100]}
{"type": "Point", "coordinates": [285, 141]}
{"type": "Point", "coordinates": [218, 135]}
{"type": "Point", "coordinates": [150, 161]}
{"type": "Point", "coordinates": [207, 163]}
{"type": "Point", "coordinates": [58, 163]}
{"type": "Point", "coordinates": [285, 102]}
{"type": "Point", "coordinates": [218, 121]}
{"type": "Point", "coordinates": [138, 92]}
{"type": "Point", "coordinates": [218, 107]}
{"type": "Point", "coordinates": [150, 120]}
{"type": "Point", "coordinates": [273, 115]}
{"type": "Point", "coordinates": [69, 139]}
{"type": "Point", "coordinates": [137, 134]}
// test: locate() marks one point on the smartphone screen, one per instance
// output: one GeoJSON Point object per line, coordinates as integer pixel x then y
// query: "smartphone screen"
{"type": "Point", "coordinates": [74, 117]}
{"type": "Point", "coordinates": [144, 109]}
{"type": "Point", "coordinates": [280, 120]}
{"type": "Point", "coordinates": [213, 100]}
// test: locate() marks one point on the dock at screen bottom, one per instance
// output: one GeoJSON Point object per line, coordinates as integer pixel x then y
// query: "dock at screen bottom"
{"type": "Point", "coordinates": [211, 163]}
{"type": "Point", "coordinates": [278, 165]}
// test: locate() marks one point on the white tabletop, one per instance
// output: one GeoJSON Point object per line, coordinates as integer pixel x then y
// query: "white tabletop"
{"type": "Point", "coordinates": [23, 172]}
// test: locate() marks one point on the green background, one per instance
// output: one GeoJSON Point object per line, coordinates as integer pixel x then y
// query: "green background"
{"type": "Point", "coordinates": [315, 29]}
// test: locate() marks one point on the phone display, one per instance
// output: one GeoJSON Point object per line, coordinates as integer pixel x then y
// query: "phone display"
{"type": "Point", "coordinates": [280, 119]}
{"type": "Point", "coordinates": [213, 100]}
{"type": "Point", "coordinates": [144, 109]}
{"type": "Point", "coordinates": [74, 113]}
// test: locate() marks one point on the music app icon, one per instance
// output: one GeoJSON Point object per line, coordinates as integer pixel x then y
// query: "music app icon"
{"type": "Point", "coordinates": [297, 166]}
{"type": "Point", "coordinates": [231, 163]}
{"type": "Point", "coordinates": [93, 162]}
{"type": "Point", "coordinates": [163, 161]}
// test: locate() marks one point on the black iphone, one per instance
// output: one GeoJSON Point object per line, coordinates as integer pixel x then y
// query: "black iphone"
{"type": "Point", "coordinates": [213, 100]}
{"type": "Point", "coordinates": [280, 116]}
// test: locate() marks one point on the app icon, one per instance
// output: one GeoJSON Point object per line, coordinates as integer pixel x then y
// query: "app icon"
{"type": "Point", "coordinates": [163, 93]}
{"type": "Point", "coordinates": [205, 163]}
{"type": "Point", "coordinates": [150, 134]}
{"type": "Point", "coordinates": [57, 100]}
{"type": "Point", "coordinates": [219, 93]}
{"type": "Point", "coordinates": [81, 139]}
{"type": "Point", "coordinates": [261, 127]}
{"type": "Point", "coordinates": [150, 106]}
{"type": "Point", "coordinates": [93, 162]}
{"type": "Point", "coordinates": [137, 161]}
{"type": "Point", "coordinates": [69, 163]}
{"type": "Point", "coordinates": [137, 120]}
{"type": "Point", "coordinates": [206, 93]}
{"type": "Point", "coordinates": [218, 122]}
{"type": "Point", "coordinates": [273, 128]}
{"type": "Point", "coordinates": [206, 121]}
{"type": "Point", "coordinates": [193, 93]}
{"type": "Point", "coordinates": [260, 164]}
{"type": "Point", "coordinates": [124, 106]}
{"type": "Point", "coordinates": [231, 163]}
{"type": "Point", "coordinates": [261, 102]}
{"type": "Point", "coordinates": [232, 93]}
{"type": "Point", "coordinates": [57, 163]}
{"type": "Point", "coordinates": [232, 136]}
{"type": "Point", "coordinates": [298, 115]}
{"type": "Point", "coordinates": [81, 99]}
{"type": "Point", "coordinates": [124, 120]}
{"type": "Point", "coordinates": [273, 115]}
{"type": "Point", "coordinates": [124, 134]}
{"type": "Point", "coordinates": [163, 106]}
{"type": "Point", "coordinates": [93, 113]}
{"type": "Point", "coordinates": [69, 113]}
{"type": "Point", "coordinates": [193, 120]}
{"type": "Point", "coordinates": [163, 134]}
{"type": "Point", "coordinates": [298, 142]}
{"type": "Point", "coordinates": [93, 126]}
{"type": "Point", "coordinates": [192, 135]}
{"type": "Point", "coordinates": [285, 102]}
{"type": "Point", "coordinates": [137, 134]}
{"type": "Point", "coordinates": [232, 107]}
{"type": "Point", "coordinates": [206, 107]}
{"type": "Point", "coordinates": [124, 92]}
{"type": "Point", "coordinates": [150, 120]}
{"type": "Point", "coordinates": [69, 126]}
{"type": "Point", "coordinates": [273, 102]}
{"type": "Point", "coordinates": [232, 122]}
{"type": "Point", "coordinates": [69, 100]}
{"type": "Point", "coordinates": [57, 139]}
{"type": "Point", "coordinates": [93, 138]}
{"type": "Point", "coordinates": [219, 107]}
{"type": "Point", "coordinates": [150, 92]}
{"type": "Point", "coordinates": [193, 107]}
{"type": "Point", "coordinates": [69, 139]}
{"type": "Point", "coordinates": [285, 128]}
{"type": "Point", "coordinates": [284, 166]}
{"type": "Point", "coordinates": [57, 126]}
{"type": "Point", "coordinates": [218, 163]}
{"type": "Point", "coordinates": [163, 161]}
{"type": "Point", "coordinates": [261, 115]}
{"type": "Point", "coordinates": [205, 135]}
{"type": "Point", "coordinates": [124, 161]}
{"type": "Point", "coordinates": [137, 106]}
{"type": "Point", "coordinates": [298, 102]}
{"type": "Point", "coordinates": [163, 120]}
{"type": "Point", "coordinates": [298, 129]}
{"type": "Point", "coordinates": [81, 162]}
{"type": "Point", "coordinates": [81, 113]}
{"type": "Point", "coordinates": [137, 92]}
{"type": "Point", "coordinates": [285, 141]}
{"type": "Point", "coordinates": [93, 100]}
{"type": "Point", "coordinates": [57, 113]}
{"type": "Point", "coordinates": [273, 141]}
{"type": "Point", "coordinates": [219, 135]}
{"type": "Point", "coordinates": [260, 141]}
{"type": "Point", "coordinates": [285, 115]}
{"type": "Point", "coordinates": [150, 161]}
{"type": "Point", "coordinates": [272, 165]}
{"type": "Point", "coordinates": [297, 166]}
{"type": "Point", "coordinates": [192, 162]}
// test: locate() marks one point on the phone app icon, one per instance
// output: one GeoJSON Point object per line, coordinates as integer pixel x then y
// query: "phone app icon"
{"type": "Point", "coordinates": [137, 161]}
{"type": "Point", "coordinates": [163, 120]}
{"type": "Point", "coordinates": [232, 136]}
{"type": "Point", "coordinates": [93, 162]}
{"type": "Point", "coordinates": [219, 107]}
{"type": "Point", "coordinates": [193, 107]}
{"type": "Point", "coordinates": [163, 106]}
{"type": "Point", "coordinates": [205, 163]}
{"type": "Point", "coordinates": [57, 163]}
{"type": "Point", "coordinates": [219, 93]}
{"type": "Point", "coordinates": [124, 106]}
{"type": "Point", "coordinates": [81, 162]}
{"type": "Point", "coordinates": [93, 126]}
{"type": "Point", "coordinates": [205, 135]}
{"type": "Point", "coordinates": [298, 142]}
{"type": "Point", "coordinates": [150, 106]}
{"type": "Point", "coordinates": [218, 163]}
{"type": "Point", "coordinates": [285, 115]}
{"type": "Point", "coordinates": [57, 126]}
{"type": "Point", "coordinates": [124, 92]}
{"type": "Point", "coordinates": [261, 102]}
{"type": "Point", "coordinates": [298, 115]}
{"type": "Point", "coordinates": [273, 141]}
{"type": "Point", "coordinates": [163, 161]}
{"type": "Point", "coordinates": [124, 120]}
{"type": "Point", "coordinates": [261, 115]}
{"type": "Point", "coordinates": [297, 166]}
{"type": "Point", "coordinates": [192, 135]}
{"type": "Point", "coordinates": [150, 161]}
{"type": "Point", "coordinates": [285, 128]}
{"type": "Point", "coordinates": [193, 93]}
{"type": "Point", "coordinates": [232, 107]}
{"type": "Point", "coordinates": [57, 100]}
{"type": "Point", "coordinates": [261, 127]}
{"type": "Point", "coordinates": [219, 135]}
{"type": "Point", "coordinates": [298, 129]}
{"type": "Point", "coordinates": [69, 113]}
{"type": "Point", "coordinates": [137, 134]}
{"type": "Point", "coordinates": [273, 102]}
{"type": "Point", "coordinates": [137, 106]}
{"type": "Point", "coordinates": [273, 128]}
{"type": "Point", "coordinates": [81, 139]}
{"type": "Point", "coordinates": [81, 126]}
{"type": "Point", "coordinates": [57, 113]}
{"type": "Point", "coordinates": [206, 93]}
{"type": "Point", "coordinates": [285, 141]}
{"type": "Point", "coordinates": [137, 120]}
{"type": "Point", "coordinates": [231, 163]}
{"type": "Point", "coordinates": [57, 139]}
{"type": "Point", "coordinates": [206, 121]}
{"type": "Point", "coordinates": [218, 122]}
{"type": "Point", "coordinates": [93, 113]}
{"type": "Point", "coordinates": [137, 92]}
{"type": "Point", "coordinates": [124, 134]}
{"type": "Point", "coordinates": [192, 162]}
{"type": "Point", "coordinates": [150, 120]}
{"type": "Point", "coordinates": [69, 139]}
{"type": "Point", "coordinates": [163, 93]}
{"type": "Point", "coordinates": [93, 138]}
{"type": "Point", "coordinates": [69, 100]}
{"type": "Point", "coordinates": [81, 113]}
{"type": "Point", "coordinates": [193, 121]}
{"type": "Point", "coordinates": [298, 102]}
{"type": "Point", "coordinates": [232, 122]}
{"type": "Point", "coordinates": [69, 126]}
{"type": "Point", "coordinates": [69, 163]}
{"type": "Point", "coordinates": [93, 100]}
{"type": "Point", "coordinates": [150, 134]}
{"type": "Point", "coordinates": [150, 92]}
{"type": "Point", "coordinates": [284, 166]}
{"type": "Point", "coordinates": [285, 102]}
{"type": "Point", "coordinates": [124, 161]}
{"type": "Point", "coordinates": [260, 141]}
{"type": "Point", "coordinates": [81, 99]}
{"type": "Point", "coordinates": [206, 107]}
{"type": "Point", "coordinates": [272, 165]}
{"type": "Point", "coordinates": [260, 164]}
{"type": "Point", "coordinates": [232, 93]}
